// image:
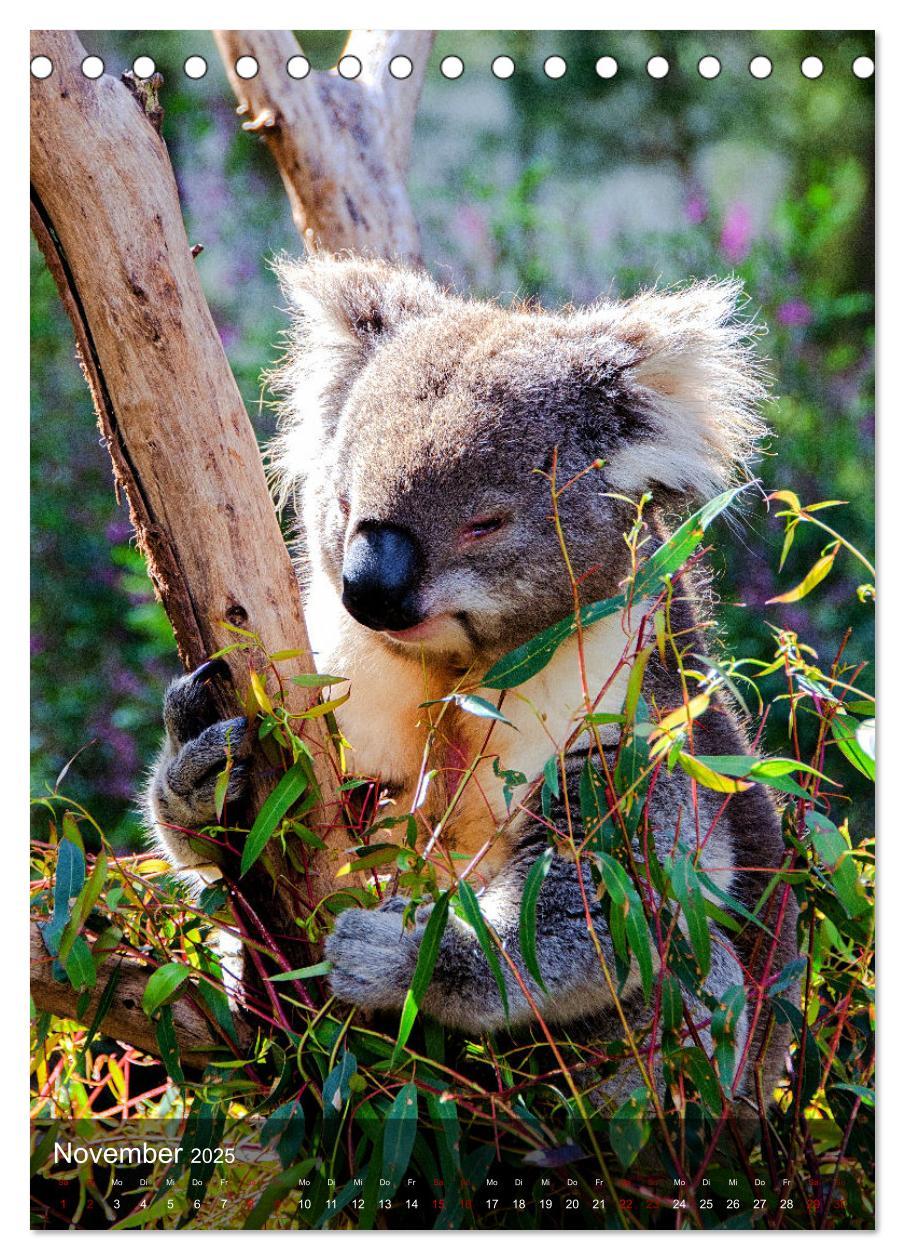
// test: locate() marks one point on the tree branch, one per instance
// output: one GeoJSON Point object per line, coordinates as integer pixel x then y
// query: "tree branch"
{"type": "Point", "coordinates": [341, 145]}
{"type": "Point", "coordinates": [125, 1020]}
{"type": "Point", "coordinates": [396, 100]}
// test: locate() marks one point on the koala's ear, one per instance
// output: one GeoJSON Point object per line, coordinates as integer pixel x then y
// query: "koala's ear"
{"type": "Point", "coordinates": [352, 303]}
{"type": "Point", "coordinates": [342, 308]}
{"type": "Point", "coordinates": [692, 379]}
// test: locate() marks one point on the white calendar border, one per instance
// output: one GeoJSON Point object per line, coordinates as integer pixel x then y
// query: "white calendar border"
{"type": "Point", "coordinates": [770, 14]}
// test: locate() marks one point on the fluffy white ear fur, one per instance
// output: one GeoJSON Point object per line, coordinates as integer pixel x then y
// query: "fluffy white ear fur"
{"type": "Point", "coordinates": [696, 380]}
{"type": "Point", "coordinates": [341, 308]}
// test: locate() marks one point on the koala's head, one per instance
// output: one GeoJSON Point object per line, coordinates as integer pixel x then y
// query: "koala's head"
{"type": "Point", "coordinates": [421, 431]}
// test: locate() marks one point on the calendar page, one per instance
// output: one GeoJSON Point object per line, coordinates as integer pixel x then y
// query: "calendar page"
{"type": "Point", "coordinates": [452, 630]}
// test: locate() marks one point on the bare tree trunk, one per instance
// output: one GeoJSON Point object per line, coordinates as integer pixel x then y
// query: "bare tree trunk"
{"type": "Point", "coordinates": [341, 145]}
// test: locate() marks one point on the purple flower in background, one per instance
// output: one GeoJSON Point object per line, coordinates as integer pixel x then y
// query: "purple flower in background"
{"type": "Point", "coordinates": [795, 313]}
{"type": "Point", "coordinates": [737, 233]}
{"type": "Point", "coordinates": [696, 208]}
{"type": "Point", "coordinates": [119, 531]}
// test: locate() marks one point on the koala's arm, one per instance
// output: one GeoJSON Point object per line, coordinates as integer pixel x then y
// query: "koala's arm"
{"type": "Point", "coordinates": [374, 957]}
{"type": "Point", "coordinates": [180, 794]}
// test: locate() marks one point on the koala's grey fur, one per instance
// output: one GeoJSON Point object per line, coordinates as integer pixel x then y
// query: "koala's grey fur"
{"type": "Point", "coordinates": [408, 406]}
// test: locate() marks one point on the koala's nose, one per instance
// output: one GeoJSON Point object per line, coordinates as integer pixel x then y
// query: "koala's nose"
{"type": "Point", "coordinates": [382, 566]}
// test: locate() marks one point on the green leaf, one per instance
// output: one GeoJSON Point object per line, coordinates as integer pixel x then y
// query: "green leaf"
{"type": "Point", "coordinates": [630, 1126]}
{"type": "Point", "coordinates": [671, 1010]}
{"type": "Point", "coordinates": [428, 952]}
{"type": "Point", "coordinates": [68, 883]}
{"type": "Point", "coordinates": [84, 904]}
{"type": "Point", "coordinates": [280, 800]}
{"type": "Point", "coordinates": [274, 1192]}
{"type": "Point", "coordinates": [80, 966]}
{"type": "Point", "coordinates": [326, 706]}
{"type": "Point", "coordinates": [811, 579]}
{"type": "Point", "coordinates": [217, 1003]}
{"type": "Point", "coordinates": [861, 1091]}
{"type": "Point", "coordinates": [103, 1006]}
{"type": "Point", "coordinates": [635, 681]}
{"type": "Point", "coordinates": [399, 1137]}
{"type": "Point", "coordinates": [723, 1026]}
{"type": "Point", "coordinates": [284, 1130]}
{"type": "Point", "coordinates": [336, 1086]}
{"type": "Point", "coordinates": [551, 776]}
{"type": "Point", "coordinates": [687, 889]}
{"type": "Point", "coordinates": [790, 974]}
{"type": "Point", "coordinates": [468, 903]}
{"type": "Point", "coordinates": [627, 905]}
{"type": "Point", "coordinates": [163, 984]}
{"type": "Point", "coordinates": [527, 924]}
{"type": "Point", "coordinates": [316, 680]}
{"type": "Point", "coordinates": [846, 732]}
{"type": "Point", "coordinates": [165, 1031]}
{"type": "Point", "coordinates": [221, 787]}
{"type": "Point", "coordinates": [303, 973]}
{"type": "Point", "coordinates": [697, 769]}
{"type": "Point", "coordinates": [592, 799]}
{"type": "Point", "coordinates": [146, 1216]}
{"type": "Point", "coordinates": [477, 706]}
{"type": "Point", "coordinates": [697, 1068]}
{"type": "Point", "coordinates": [374, 855]}
{"type": "Point", "coordinates": [834, 852]}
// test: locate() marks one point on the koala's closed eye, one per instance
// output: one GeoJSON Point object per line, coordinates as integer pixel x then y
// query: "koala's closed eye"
{"type": "Point", "coordinates": [483, 527]}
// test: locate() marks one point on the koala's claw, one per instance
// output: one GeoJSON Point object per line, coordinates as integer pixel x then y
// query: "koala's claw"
{"type": "Point", "coordinates": [373, 958]}
{"type": "Point", "coordinates": [189, 703]}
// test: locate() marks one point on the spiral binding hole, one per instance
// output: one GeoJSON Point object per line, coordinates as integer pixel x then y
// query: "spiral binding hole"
{"type": "Point", "coordinates": [143, 67]}
{"type": "Point", "coordinates": [709, 67]}
{"type": "Point", "coordinates": [761, 67]}
{"type": "Point", "coordinates": [195, 67]}
{"type": "Point", "coordinates": [400, 67]}
{"type": "Point", "coordinates": [658, 67]}
{"type": "Point", "coordinates": [349, 66]}
{"type": "Point", "coordinates": [812, 67]}
{"type": "Point", "coordinates": [246, 67]}
{"type": "Point", "coordinates": [298, 67]}
{"type": "Point", "coordinates": [607, 67]}
{"type": "Point", "coordinates": [92, 67]}
{"type": "Point", "coordinates": [452, 67]}
{"type": "Point", "coordinates": [503, 67]}
{"type": "Point", "coordinates": [555, 67]}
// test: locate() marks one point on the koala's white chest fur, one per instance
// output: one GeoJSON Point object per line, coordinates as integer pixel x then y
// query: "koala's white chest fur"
{"type": "Point", "coordinates": [395, 739]}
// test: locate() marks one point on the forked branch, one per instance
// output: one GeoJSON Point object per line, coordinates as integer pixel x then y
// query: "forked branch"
{"type": "Point", "coordinates": [341, 145]}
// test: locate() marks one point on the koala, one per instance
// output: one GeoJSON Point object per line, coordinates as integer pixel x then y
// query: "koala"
{"type": "Point", "coordinates": [421, 439]}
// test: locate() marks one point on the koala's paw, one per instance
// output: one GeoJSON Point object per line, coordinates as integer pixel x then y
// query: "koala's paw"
{"type": "Point", "coordinates": [186, 785]}
{"type": "Point", "coordinates": [197, 749]}
{"type": "Point", "coordinates": [373, 958]}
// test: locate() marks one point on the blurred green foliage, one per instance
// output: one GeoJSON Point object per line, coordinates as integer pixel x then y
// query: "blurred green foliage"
{"type": "Point", "coordinates": [561, 189]}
